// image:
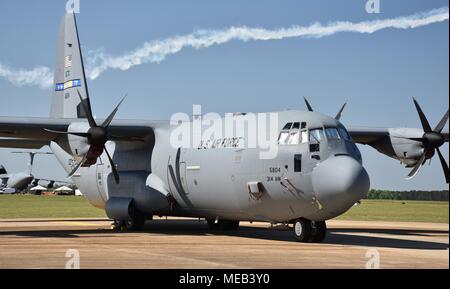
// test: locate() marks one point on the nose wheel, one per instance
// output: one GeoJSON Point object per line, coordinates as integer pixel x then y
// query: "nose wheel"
{"type": "Point", "coordinates": [309, 231]}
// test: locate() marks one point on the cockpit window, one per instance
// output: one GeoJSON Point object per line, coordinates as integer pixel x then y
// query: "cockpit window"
{"type": "Point", "coordinates": [287, 126]}
{"type": "Point", "coordinates": [332, 133]}
{"type": "Point", "coordinates": [316, 135]}
{"type": "Point", "coordinates": [294, 138]}
{"type": "Point", "coordinates": [344, 133]}
{"type": "Point", "coordinates": [284, 136]}
{"type": "Point", "coordinates": [293, 133]}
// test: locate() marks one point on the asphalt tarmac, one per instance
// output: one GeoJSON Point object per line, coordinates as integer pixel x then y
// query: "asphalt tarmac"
{"type": "Point", "coordinates": [187, 243]}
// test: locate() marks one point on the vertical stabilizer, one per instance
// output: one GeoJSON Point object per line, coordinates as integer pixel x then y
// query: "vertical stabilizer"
{"type": "Point", "coordinates": [69, 72]}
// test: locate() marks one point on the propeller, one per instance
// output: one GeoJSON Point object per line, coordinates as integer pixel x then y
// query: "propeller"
{"type": "Point", "coordinates": [338, 115]}
{"type": "Point", "coordinates": [431, 140]}
{"type": "Point", "coordinates": [97, 136]}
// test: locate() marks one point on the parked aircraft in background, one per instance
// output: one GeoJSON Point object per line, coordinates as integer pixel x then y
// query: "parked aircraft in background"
{"type": "Point", "coordinates": [17, 182]}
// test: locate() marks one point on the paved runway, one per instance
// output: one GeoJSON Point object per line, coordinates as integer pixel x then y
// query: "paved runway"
{"type": "Point", "coordinates": [189, 244]}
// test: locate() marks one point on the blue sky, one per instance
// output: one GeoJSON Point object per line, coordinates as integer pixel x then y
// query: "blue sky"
{"type": "Point", "coordinates": [376, 74]}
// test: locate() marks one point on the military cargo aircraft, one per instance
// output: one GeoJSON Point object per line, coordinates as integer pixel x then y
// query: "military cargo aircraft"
{"type": "Point", "coordinates": [131, 169]}
{"type": "Point", "coordinates": [14, 183]}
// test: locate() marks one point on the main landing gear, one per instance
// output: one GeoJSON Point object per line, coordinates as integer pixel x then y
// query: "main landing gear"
{"type": "Point", "coordinates": [225, 225]}
{"type": "Point", "coordinates": [136, 223]}
{"type": "Point", "coordinates": [310, 231]}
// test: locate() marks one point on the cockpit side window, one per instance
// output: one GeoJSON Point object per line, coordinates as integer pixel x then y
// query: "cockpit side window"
{"type": "Point", "coordinates": [284, 137]}
{"type": "Point", "coordinates": [293, 134]}
{"type": "Point", "coordinates": [294, 138]}
{"type": "Point", "coordinates": [316, 135]}
{"type": "Point", "coordinates": [287, 126]}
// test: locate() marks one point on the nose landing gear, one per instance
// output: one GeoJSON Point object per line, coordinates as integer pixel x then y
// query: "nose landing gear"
{"type": "Point", "coordinates": [309, 231]}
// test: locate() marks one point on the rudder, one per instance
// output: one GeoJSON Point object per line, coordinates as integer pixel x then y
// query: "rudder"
{"type": "Point", "coordinates": [69, 73]}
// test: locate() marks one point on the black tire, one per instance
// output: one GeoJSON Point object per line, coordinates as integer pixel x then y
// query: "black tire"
{"type": "Point", "coordinates": [302, 230]}
{"type": "Point", "coordinates": [319, 232]}
{"type": "Point", "coordinates": [229, 225]}
{"type": "Point", "coordinates": [224, 225]}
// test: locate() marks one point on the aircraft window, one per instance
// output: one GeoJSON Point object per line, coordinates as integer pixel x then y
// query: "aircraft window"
{"type": "Point", "coordinates": [332, 133]}
{"type": "Point", "coordinates": [304, 136]}
{"type": "Point", "coordinates": [294, 138]}
{"type": "Point", "coordinates": [316, 135]}
{"type": "Point", "coordinates": [284, 136]}
{"type": "Point", "coordinates": [303, 125]}
{"type": "Point", "coordinates": [287, 126]}
{"type": "Point", "coordinates": [297, 163]}
{"type": "Point", "coordinates": [296, 125]}
{"type": "Point", "coordinates": [344, 133]}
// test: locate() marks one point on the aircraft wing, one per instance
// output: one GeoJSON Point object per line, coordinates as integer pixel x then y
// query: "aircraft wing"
{"type": "Point", "coordinates": [22, 143]}
{"type": "Point", "coordinates": [26, 132]}
{"type": "Point", "coordinates": [367, 135]}
{"type": "Point", "coordinates": [370, 135]}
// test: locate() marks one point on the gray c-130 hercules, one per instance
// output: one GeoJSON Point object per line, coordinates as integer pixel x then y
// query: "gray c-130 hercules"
{"type": "Point", "coordinates": [130, 169]}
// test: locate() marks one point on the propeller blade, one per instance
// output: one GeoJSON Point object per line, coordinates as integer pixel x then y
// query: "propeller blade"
{"type": "Point", "coordinates": [125, 138]}
{"type": "Point", "coordinates": [88, 110]}
{"type": "Point", "coordinates": [423, 119]}
{"type": "Point", "coordinates": [444, 165]}
{"type": "Point", "coordinates": [77, 167]}
{"type": "Point", "coordinates": [81, 134]}
{"type": "Point", "coordinates": [108, 120]}
{"type": "Point", "coordinates": [339, 114]}
{"type": "Point", "coordinates": [113, 166]}
{"type": "Point", "coordinates": [442, 123]}
{"type": "Point", "coordinates": [416, 168]}
{"type": "Point", "coordinates": [308, 105]}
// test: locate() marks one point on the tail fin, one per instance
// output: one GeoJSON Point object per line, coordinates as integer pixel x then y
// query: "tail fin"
{"type": "Point", "coordinates": [31, 160]}
{"type": "Point", "coordinates": [69, 73]}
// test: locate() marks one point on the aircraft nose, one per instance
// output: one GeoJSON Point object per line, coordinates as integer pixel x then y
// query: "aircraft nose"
{"type": "Point", "coordinates": [339, 182]}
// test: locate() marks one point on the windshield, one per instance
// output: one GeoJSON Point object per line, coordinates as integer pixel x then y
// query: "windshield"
{"type": "Point", "coordinates": [316, 135]}
{"type": "Point", "coordinates": [332, 133]}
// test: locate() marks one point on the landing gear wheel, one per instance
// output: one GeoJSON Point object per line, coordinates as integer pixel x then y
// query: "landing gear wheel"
{"type": "Point", "coordinates": [225, 225]}
{"type": "Point", "coordinates": [319, 232]}
{"type": "Point", "coordinates": [136, 223]}
{"type": "Point", "coordinates": [118, 225]}
{"type": "Point", "coordinates": [302, 230]}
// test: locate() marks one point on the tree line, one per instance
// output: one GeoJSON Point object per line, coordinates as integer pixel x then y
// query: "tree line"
{"type": "Point", "coordinates": [408, 195]}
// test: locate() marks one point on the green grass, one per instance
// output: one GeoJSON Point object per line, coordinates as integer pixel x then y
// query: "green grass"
{"type": "Point", "coordinates": [20, 206]}
{"type": "Point", "coordinates": [404, 211]}
{"type": "Point", "coordinates": [26, 206]}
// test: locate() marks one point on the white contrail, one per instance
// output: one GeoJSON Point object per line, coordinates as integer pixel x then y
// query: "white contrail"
{"type": "Point", "coordinates": [40, 76]}
{"type": "Point", "coordinates": [157, 50]}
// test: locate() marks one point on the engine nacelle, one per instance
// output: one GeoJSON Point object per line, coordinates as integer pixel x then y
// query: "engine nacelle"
{"type": "Point", "coordinates": [78, 146]}
{"type": "Point", "coordinates": [398, 146]}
